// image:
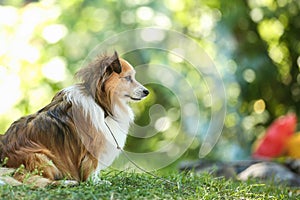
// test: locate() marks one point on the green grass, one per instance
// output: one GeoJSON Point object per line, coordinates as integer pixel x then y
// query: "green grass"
{"type": "Point", "coordinates": [125, 185]}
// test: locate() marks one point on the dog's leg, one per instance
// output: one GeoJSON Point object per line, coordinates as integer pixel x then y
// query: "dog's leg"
{"type": "Point", "coordinates": [21, 175]}
{"type": "Point", "coordinates": [87, 167]}
{"type": "Point", "coordinates": [37, 181]}
{"type": "Point", "coordinates": [43, 165]}
{"type": "Point", "coordinates": [40, 172]}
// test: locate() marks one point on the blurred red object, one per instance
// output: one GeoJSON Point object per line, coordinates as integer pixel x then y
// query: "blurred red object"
{"type": "Point", "coordinates": [273, 143]}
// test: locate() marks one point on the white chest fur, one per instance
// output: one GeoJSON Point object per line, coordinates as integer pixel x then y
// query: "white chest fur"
{"type": "Point", "coordinates": [113, 129]}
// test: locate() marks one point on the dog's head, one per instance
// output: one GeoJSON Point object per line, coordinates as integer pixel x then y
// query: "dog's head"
{"type": "Point", "coordinates": [111, 79]}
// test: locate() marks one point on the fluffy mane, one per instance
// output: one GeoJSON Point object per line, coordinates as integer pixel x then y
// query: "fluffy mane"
{"type": "Point", "coordinates": [94, 77]}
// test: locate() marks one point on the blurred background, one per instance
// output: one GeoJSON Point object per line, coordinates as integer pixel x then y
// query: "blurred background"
{"type": "Point", "coordinates": [255, 45]}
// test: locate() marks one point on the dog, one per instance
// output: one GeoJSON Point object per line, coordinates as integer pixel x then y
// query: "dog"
{"type": "Point", "coordinates": [80, 132]}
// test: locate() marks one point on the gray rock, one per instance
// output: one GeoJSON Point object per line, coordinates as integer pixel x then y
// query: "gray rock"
{"type": "Point", "coordinates": [293, 165]}
{"type": "Point", "coordinates": [6, 171]}
{"type": "Point", "coordinates": [218, 169]}
{"type": "Point", "coordinates": [7, 180]}
{"type": "Point", "coordinates": [287, 173]}
{"type": "Point", "coordinates": [270, 171]}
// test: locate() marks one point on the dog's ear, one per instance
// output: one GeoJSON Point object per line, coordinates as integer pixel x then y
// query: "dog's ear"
{"type": "Point", "coordinates": [115, 64]}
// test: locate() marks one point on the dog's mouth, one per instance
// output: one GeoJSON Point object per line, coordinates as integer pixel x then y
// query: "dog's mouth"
{"type": "Point", "coordinates": [139, 96]}
{"type": "Point", "coordinates": [133, 98]}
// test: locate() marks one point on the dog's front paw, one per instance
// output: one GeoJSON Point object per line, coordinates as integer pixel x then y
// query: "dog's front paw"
{"type": "Point", "coordinates": [65, 183]}
{"type": "Point", "coordinates": [69, 182]}
{"type": "Point", "coordinates": [96, 180]}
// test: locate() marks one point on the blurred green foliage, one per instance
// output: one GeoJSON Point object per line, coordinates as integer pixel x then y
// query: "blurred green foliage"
{"type": "Point", "coordinates": [255, 45]}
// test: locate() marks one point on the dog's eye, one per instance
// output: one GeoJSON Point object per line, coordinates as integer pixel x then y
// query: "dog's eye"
{"type": "Point", "coordinates": [128, 78]}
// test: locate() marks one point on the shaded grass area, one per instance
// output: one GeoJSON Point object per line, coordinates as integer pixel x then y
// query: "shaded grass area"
{"type": "Point", "coordinates": [127, 185]}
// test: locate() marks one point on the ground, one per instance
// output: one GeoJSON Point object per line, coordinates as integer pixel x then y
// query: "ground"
{"type": "Point", "coordinates": [128, 185]}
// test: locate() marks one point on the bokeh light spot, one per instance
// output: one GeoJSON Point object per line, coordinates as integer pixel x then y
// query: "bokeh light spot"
{"type": "Point", "coordinates": [259, 106]}
{"type": "Point", "coordinates": [10, 86]}
{"type": "Point", "coordinates": [54, 33]}
{"type": "Point", "coordinates": [249, 75]}
{"type": "Point", "coordinates": [55, 69]}
{"type": "Point", "coordinates": [162, 124]}
{"type": "Point", "coordinates": [145, 13]}
{"type": "Point", "coordinates": [256, 14]}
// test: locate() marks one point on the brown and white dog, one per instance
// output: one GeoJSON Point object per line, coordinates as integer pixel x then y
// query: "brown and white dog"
{"type": "Point", "coordinates": [70, 137]}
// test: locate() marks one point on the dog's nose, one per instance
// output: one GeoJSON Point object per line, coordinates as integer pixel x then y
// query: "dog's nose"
{"type": "Point", "coordinates": [146, 92]}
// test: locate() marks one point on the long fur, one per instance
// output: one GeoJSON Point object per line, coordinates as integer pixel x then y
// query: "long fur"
{"type": "Point", "coordinates": [68, 138]}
